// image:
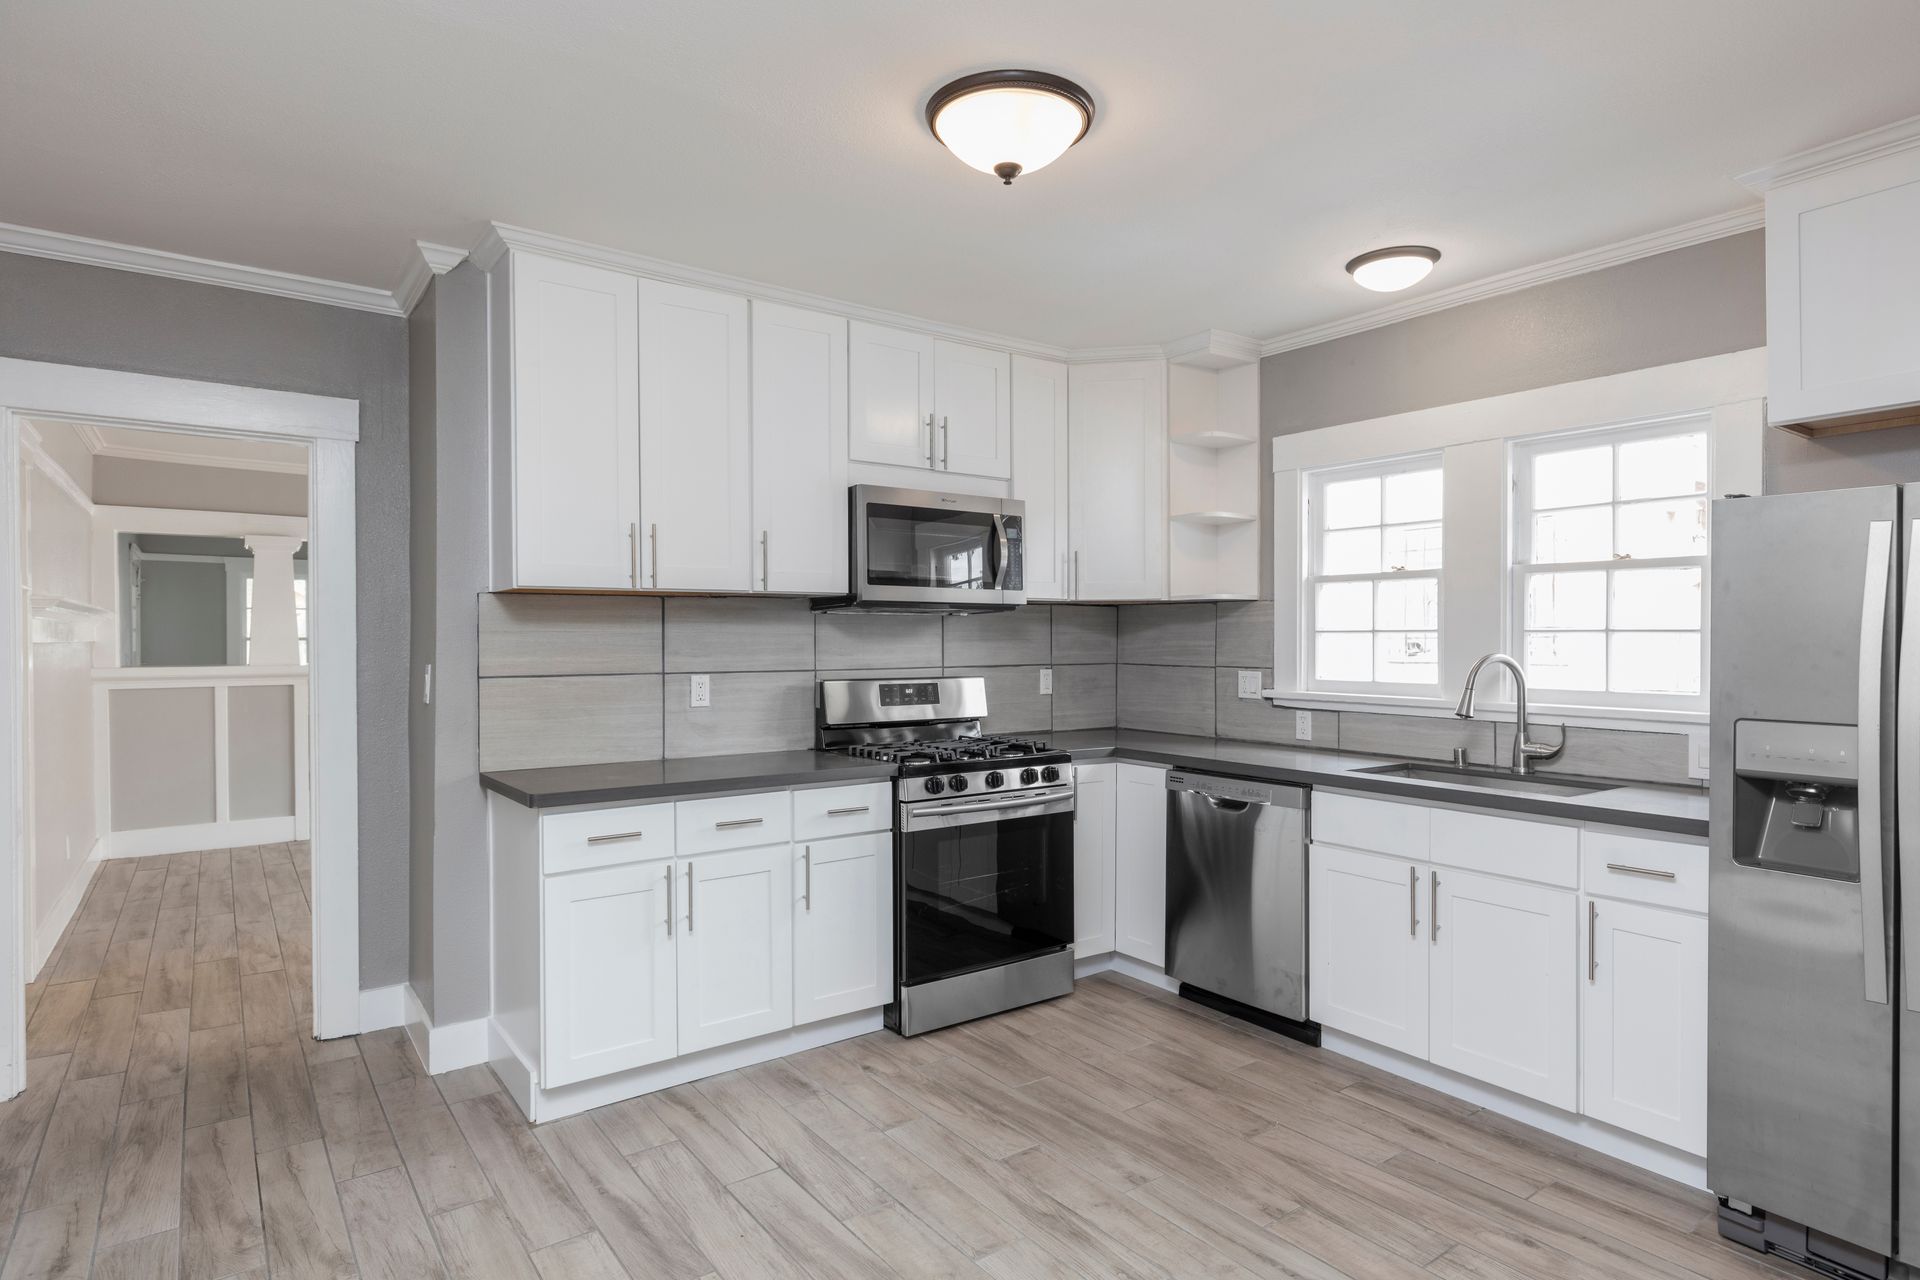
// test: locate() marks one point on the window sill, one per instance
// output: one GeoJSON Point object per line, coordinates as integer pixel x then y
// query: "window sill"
{"type": "Point", "coordinates": [1652, 720]}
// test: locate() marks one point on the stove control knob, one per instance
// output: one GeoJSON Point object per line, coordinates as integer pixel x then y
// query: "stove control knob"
{"type": "Point", "coordinates": [1029, 776]}
{"type": "Point", "coordinates": [935, 786]}
{"type": "Point", "coordinates": [996, 779]}
{"type": "Point", "coordinates": [1050, 774]}
{"type": "Point", "coordinates": [958, 782]}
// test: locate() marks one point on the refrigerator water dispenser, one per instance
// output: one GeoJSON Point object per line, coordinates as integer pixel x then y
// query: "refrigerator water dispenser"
{"type": "Point", "coordinates": [1797, 798]}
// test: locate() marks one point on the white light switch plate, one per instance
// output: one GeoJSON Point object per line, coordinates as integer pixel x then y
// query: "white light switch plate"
{"type": "Point", "coordinates": [1046, 680]}
{"type": "Point", "coordinates": [700, 691]}
{"type": "Point", "coordinates": [1303, 726]}
{"type": "Point", "coordinates": [1250, 683]}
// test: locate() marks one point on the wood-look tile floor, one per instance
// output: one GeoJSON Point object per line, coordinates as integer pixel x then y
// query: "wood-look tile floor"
{"type": "Point", "coordinates": [180, 1123]}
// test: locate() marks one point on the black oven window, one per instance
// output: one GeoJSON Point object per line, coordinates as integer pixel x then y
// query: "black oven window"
{"type": "Point", "coordinates": [927, 547]}
{"type": "Point", "coordinates": [985, 894]}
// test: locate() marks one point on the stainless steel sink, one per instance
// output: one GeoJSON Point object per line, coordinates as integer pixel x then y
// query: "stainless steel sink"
{"type": "Point", "coordinates": [1490, 779]}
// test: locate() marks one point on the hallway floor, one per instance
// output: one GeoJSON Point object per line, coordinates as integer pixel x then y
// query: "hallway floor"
{"type": "Point", "coordinates": [180, 1123]}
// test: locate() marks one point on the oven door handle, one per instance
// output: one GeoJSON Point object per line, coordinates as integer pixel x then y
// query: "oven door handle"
{"type": "Point", "coordinates": [989, 811]}
{"type": "Point", "coordinates": [1000, 539]}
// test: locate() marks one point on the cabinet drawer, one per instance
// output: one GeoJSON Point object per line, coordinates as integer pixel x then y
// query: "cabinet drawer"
{"type": "Point", "coordinates": [823, 812]}
{"type": "Point", "coordinates": [1666, 873]}
{"type": "Point", "coordinates": [605, 837]}
{"type": "Point", "coordinates": [1376, 826]}
{"type": "Point", "coordinates": [1544, 852]}
{"type": "Point", "coordinates": [733, 822]}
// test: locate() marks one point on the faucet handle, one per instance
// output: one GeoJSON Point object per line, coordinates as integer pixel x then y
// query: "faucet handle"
{"type": "Point", "coordinates": [1459, 757]}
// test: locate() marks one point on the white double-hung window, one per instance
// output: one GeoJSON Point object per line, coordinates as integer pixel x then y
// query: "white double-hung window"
{"type": "Point", "coordinates": [1371, 598]}
{"type": "Point", "coordinates": [1609, 535]}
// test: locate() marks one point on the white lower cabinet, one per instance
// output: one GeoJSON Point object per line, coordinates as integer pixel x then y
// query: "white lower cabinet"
{"type": "Point", "coordinates": [736, 946]}
{"type": "Point", "coordinates": [1502, 987]}
{"type": "Point", "coordinates": [1367, 947]}
{"type": "Point", "coordinates": [1644, 1021]}
{"type": "Point", "coordinates": [609, 991]}
{"type": "Point", "coordinates": [1093, 858]}
{"type": "Point", "coordinates": [1140, 863]}
{"type": "Point", "coordinates": [842, 926]}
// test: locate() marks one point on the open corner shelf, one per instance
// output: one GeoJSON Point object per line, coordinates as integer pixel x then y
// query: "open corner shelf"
{"type": "Point", "coordinates": [1214, 517]}
{"type": "Point", "coordinates": [1214, 439]}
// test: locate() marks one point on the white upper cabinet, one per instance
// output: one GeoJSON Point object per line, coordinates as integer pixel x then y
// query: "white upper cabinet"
{"type": "Point", "coordinates": [568, 486]}
{"type": "Point", "coordinates": [1843, 288]}
{"type": "Point", "coordinates": [1040, 472]}
{"type": "Point", "coordinates": [971, 405]}
{"type": "Point", "coordinates": [695, 440]}
{"type": "Point", "coordinates": [890, 396]}
{"type": "Point", "coordinates": [799, 450]}
{"type": "Point", "coordinates": [1117, 415]}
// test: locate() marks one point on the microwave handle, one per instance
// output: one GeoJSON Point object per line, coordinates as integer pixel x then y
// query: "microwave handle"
{"type": "Point", "coordinates": [1000, 537]}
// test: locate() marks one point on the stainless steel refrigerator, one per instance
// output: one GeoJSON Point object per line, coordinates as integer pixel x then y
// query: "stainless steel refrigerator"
{"type": "Point", "coordinates": [1813, 1127]}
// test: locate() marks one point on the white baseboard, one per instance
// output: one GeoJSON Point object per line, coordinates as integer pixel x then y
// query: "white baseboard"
{"type": "Point", "coordinates": [1656, 1157]}
{"type": "Point", "coordinates": [147, 841]}
{"type": "Point", "coordinates": [383, 1007]}
{"type": "Point", "coordinates": [1113, 962]}
{"type": "Point", "coordinates": [443, 1048]}
{"type": "Point", "coordinates": [47, 933]}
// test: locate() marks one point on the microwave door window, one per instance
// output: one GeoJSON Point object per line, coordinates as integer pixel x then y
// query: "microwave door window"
{"type": "Point", "coordinates": [923, 547]}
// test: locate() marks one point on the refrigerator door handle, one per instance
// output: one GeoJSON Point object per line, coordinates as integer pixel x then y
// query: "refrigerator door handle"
{"type": "Point", "coordinates": [1906, 761]}
{"type": "Point", "coordinates": [1873, 628]}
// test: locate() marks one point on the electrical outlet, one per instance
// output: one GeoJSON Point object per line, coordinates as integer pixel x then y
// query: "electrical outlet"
{"type": "Point", "coordinates": [700, 691]}
{"type": "Point", "coordinates": [1046, 681]}
{"type": "Point", "coordinates": [1303, 726]}
{"type": "Point", "coordinates": [1250, 682]}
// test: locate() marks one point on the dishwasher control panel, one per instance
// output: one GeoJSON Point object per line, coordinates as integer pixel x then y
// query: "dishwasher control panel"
{"type": "Point", "coordinates": [1236, 789]}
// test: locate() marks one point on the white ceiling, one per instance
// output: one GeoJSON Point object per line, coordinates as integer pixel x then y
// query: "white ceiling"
{"type": "Point", "coordinates": [105, 440]}
{"type": "Point", "coordinates": [1244, 149]}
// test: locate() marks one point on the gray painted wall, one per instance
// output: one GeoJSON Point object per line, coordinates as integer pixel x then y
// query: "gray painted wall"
{"type": "Point", "coordinates": [175, 486]}
{"type": "Point", "coordinates": [183, 613]}
{"type": "Point", "coordinates": [420, 713]}
{"type": "Point", "coordinates": [72, 314]}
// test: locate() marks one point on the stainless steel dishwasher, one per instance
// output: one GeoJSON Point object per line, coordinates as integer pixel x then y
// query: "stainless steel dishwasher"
{"type": "Point", "coordinates": [1237, 897]}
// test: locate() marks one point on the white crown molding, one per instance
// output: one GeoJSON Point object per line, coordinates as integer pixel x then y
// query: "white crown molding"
{"type": "Point", "coordinates": [1574, 264]}
{"type": "Point", "coordinates": [90, 436]}
{"type": "Point", "coordinates": [429, 260]}
{"type": "Point", "coordinates": [180, 266]}
{"type": "Point", "coordinates": [136, 454]}
{"type": "Point", "coordinates": [501, 237]}
{"type": "Point", "coordinates": [1213, 349]}
{"type": "Point", "coordinates": [1888, 139]}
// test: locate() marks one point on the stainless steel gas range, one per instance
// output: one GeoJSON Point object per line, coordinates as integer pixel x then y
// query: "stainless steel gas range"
{"type": "Point", "coordinates": [983, 847]}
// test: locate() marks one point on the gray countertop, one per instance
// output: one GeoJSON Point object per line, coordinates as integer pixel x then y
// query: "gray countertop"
{"type": "Point", "coordinates": [1678, 810]}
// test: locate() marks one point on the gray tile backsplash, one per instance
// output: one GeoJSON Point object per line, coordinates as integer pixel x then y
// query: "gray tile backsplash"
{"type": "Point", "coordinates": [1245, 634]}
{"type": "Point", "coordinates": [1014, 701]}
{"type": "Point", "coordinates": [537, 721]}
{"type": "Point", "coordinates": [738, 633]}
{"type": "Point", "coordinates": [1167, 699]}
{"type": "Point", "coordinates": [1416, 737]}
{"type": "Point", "coordinates": [1018, 637]}
{"type": "Point", "coordinates": [849, 640]}
{"type": "Point", "coordinates": [1085, 696]}
{"type": "Point", "coordinates": [1607, 753]}
{"type": "Point", "coordinates": [537, 635]}
{"type": "Point", "coordinates": [751, 711]}
{"type": "Point", "coordinates": [1085, 633]}
{"type": "Point", "coordinates": [1173, 635]}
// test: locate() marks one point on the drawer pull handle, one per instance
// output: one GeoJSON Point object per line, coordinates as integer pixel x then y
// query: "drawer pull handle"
{"type": "Point", "coordinates": [619, 835]}
{"type": "Point", "coordinates": [842, 813]}
{"type": "Point", "coordinates": [731, 823]}
{"type": "Point", "coordinates": [1649, 872]}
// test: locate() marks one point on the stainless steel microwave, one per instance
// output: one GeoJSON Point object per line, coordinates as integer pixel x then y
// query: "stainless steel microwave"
{"type": "Point", "coordinates": [919, 551]}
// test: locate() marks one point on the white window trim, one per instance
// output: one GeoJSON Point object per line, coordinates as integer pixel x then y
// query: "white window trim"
{"type": "Point", "coordinates": [1519, 536]}
{"type": "Point", "coordinates": [1473, 437]}
{"type": "Point", "coordinates": [1313, 485]}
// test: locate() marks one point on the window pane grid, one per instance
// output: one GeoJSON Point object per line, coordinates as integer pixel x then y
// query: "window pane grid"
{"type": "Point", "coordinates": [1373, 588]}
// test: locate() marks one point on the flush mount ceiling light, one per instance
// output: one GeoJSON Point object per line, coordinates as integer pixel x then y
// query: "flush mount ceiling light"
{"type": "Point", "coordinates": [1010, 122]}
{"type": "Point", "coordinates": [1390, 270]}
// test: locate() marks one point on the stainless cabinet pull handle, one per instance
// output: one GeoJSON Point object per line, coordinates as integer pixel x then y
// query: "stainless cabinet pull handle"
{"type": "Point", "coordinates": [731, 823]}
{"type": "Point", "coordinates": [946, 441]}
{"type": "Point", "coordinates": [621, 835]}
{"type": "Point", "coordinates": [689, 897]}
{"type": "Point", "coordinates": [1413, 902]}
{"type": "Point", "coordinates": [633, 555]}
{"type": "Point", "coordinates": [806, 894]}
{"type": "Point", "coordinates": [1593, 960]}
{"type": "Point", "coordinates": [1074, 587]}
{"type": "Point", "coordinates": [1433, 925]}
{"type": "Point", "coordinates": [1649, 872]}
{"type": "Point", "coordinates": [929, 439]}
{"type": "Point", "coordinates": [841, 813]}
{"type": "Point", "coordinates": [669, 899]}
{"type": "Point", "coordinates": [653, 552]}
{"type": "Point", "coordinates": [766, 563]}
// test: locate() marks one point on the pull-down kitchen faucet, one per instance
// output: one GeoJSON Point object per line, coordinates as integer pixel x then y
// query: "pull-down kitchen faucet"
{"type": "Point", "coordinates": [1524, 751]}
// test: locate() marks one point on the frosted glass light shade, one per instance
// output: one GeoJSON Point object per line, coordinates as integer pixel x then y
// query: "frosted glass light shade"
{"type": "Point", "coordinates": [1007, 123]}
{"type": "Point", "coordinates": [1390, 270]}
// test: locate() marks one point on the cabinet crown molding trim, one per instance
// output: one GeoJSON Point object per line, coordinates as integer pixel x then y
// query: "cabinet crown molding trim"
{"type": "Point", "coordinates": [1213, 349]}
{"type": "Point", "coordinates": [1888, 139]}
{"type": "Point", "coordinates": [1716, 227]}
{"type": "Point", "coordinates": [179, 266]}
{"type": "Point", "coordinates": [429, 260]}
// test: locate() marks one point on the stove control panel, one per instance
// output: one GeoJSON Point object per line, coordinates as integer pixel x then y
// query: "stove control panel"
{"type": "Point", "coordinates": [954, 781]}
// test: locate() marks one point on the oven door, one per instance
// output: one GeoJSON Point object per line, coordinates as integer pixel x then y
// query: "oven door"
{"type": "Point", "coordinates": [983, 885]}
{"type": "Point", "coordinates": [915, 547]}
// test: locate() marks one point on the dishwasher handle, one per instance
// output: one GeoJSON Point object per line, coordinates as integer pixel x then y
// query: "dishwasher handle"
{"type": "Point", "coordinates": [1240, 793]}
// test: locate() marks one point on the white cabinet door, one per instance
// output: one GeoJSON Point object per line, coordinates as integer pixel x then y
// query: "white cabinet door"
{"type": "Point", "coordinates": [971, 405]}
{"type": "Point", "coordinates": [1093, 859]}
{"type": "Point", "coordinates": [1140, 864]}
{"type": "Point", "coordinates": [1040, 472]}
{"type": "Point", "coordinates": [1644, 1022]}
{"type": "Point", "coordinates": [1843, 291]}
{"type": "Point", "coordinates": [1117, 450]}
{"type": "Point", "coordinates": [890, 396]}
{"type": "Point", "coordinates": [1505, 984]}
{"type": "Point", "coordinates": [696, 479]}
{"type": "Point", "coordinates": [607, 1002]}
{"type": "Point", "coordinates": [799, 450]}
{"type": "Point", "coordinates": [843, 926]}
{"type": "Point", "coordinates": [736, 946]}
{"type": "Point", "coordinates": [1367, 946]}
{"type": "Point", "coordinates": [576, 424]}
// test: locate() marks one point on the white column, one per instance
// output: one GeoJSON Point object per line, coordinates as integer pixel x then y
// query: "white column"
{"type": "Point", "coordinates": [274, 642]}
